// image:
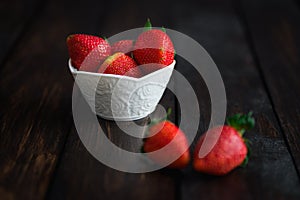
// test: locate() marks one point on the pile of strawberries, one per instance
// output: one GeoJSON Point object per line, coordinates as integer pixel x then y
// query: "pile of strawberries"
{"type": "Point", "coordinates": [152, 50]}
{"type": "Point", "coordinates": [230, 150]}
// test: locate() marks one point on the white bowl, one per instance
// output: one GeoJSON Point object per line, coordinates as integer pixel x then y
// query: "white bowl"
{"type": "Point", "coordinates": [122, 98]}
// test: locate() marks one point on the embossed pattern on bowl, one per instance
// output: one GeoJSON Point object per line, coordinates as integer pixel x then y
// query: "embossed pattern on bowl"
{"type": "Point", "coordinates": [122, 98]}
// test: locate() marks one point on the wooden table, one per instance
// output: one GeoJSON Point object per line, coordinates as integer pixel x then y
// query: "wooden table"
{"type": "Point", "coordinates": [255, 44]}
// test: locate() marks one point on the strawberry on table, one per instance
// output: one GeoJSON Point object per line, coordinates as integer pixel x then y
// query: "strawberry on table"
{"type": "Point", "coordinates": [124, 46]}
{"type": "Point", "coordinates": [87, 52]}
{"type": "Point", "coordinates": [153, 46]}
{"type": "Point", "coordinates": [120, 64]}
{"type": "Point", "coordinates": [163, 133]}
{"type": "Point", "coordinates": [230, 150]}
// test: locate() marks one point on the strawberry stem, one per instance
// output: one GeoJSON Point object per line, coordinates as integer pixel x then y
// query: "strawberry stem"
{"type": "Point", "coordinates": [156, 121]}
{"type": "Point", "coordinates": [105, 38]}
{"type": "Point", "coordinates": [241, 122]}
{"type": "Point", "coordinates": [148, 25]}
{"type": "Point", "coordinates": [169, 111]}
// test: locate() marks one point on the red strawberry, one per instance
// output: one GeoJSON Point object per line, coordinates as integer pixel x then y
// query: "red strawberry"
{"type": "Point", "coordinates": [230, 149]}
{"type": "Point", "coordinates": [151, 67]}
{"type": "Point", "coordinates": [124, 46]}
{"type": "Point", "coordinates": [153, 46]}
{"type": "Point", "coordinates": [162, 134]}
{"type": "Point", "coordinates": [87, 52]}
{"type": "Point", "coordinates": [120, 64]}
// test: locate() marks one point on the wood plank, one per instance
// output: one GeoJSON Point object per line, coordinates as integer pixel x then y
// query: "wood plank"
{"type": "Point", "coordinates": [15, 19]}
{"type": "Point", "coordinates": [270, 173]}
{"type": "Point", "coordinates": [28, 159]}
{"type": "Point", "coordinates": [36, 100]}
{"type": "Point", "coordinates": [79, 175]}
{"type": "Point", "coordinates": [274, 29]}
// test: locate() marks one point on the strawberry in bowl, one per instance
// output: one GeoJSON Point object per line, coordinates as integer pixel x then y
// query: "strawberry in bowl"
{"type": "Point", "coordinates": [87, 52]}
{"type": "Point", "coordinates": [116, 84]}
{"type": "Point", "coordinates": [120, 64]}
{"type": "Point", "coordinates": [153, 47]}
{"type": "Point", "coordinates": [124, 46]}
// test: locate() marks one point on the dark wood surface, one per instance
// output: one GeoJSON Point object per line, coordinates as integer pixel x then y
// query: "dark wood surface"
{"type": "Point", "coordinates": [255, 44]}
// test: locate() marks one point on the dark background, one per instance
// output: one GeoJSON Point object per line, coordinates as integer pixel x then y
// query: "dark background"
{"type": "Point", "coordinates": [255, 44]}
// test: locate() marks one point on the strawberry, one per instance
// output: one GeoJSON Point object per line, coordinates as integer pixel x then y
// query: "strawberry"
{"type": "Point", "coordinates": [153, 46]}
{"type": "Point", "coordinates": [150, 67]}
{"type": "Point", "coordinates": [124, 46]}
{"type": "Point", "coordinates": [230, 149]}
{"type": "Point", "coordinates": [87, 52]}
{"type": "Point", "coordinates": [120, 64]}
{"type": "Point", "coordinates": [162, 134]}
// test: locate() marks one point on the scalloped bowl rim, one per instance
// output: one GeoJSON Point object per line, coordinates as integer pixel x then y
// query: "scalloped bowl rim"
{"type": "Point", "coordinates": [75, 72]}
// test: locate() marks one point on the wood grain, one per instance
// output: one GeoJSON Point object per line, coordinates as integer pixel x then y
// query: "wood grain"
{"type": "Point", "coordinates": [79, 175]}
{"type": "Point", "coordinates": [36, 102]}
{"type": "Point", "coordinates": [274, 31]}
{"type": "Point", "coordinates": [219, 30]}
{"type": "Point", "coordinates": [95, 180]}
{"type": "Point", "coordinates": [15, 19]}
{"type": "Point", "coordinates": [255, 44]}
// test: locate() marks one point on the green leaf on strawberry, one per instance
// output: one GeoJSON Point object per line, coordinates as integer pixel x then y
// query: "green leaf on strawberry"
{"type": "Point", "coordinates": [148, 25]}
{"type": "Point", "coordinates": [241, 122]}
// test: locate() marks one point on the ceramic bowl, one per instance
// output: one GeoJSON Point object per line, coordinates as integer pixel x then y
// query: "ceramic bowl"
{"type": "Point", "coordinates": [122, 98]}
